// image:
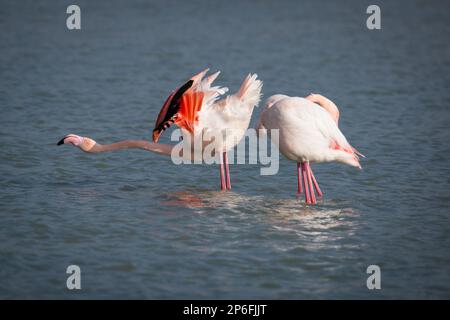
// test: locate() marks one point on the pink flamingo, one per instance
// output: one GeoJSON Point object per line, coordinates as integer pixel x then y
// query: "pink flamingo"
{"type": "Point", "coordinates": [194, 107]}
{"type": "Point", "coordinates": [308, 132]}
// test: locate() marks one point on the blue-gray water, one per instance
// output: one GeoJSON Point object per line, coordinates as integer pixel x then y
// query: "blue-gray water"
{"type": "Point", "coordinates": [140, 227]}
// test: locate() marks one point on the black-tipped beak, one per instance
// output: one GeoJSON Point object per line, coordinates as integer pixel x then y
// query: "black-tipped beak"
{"type": "Point", "coordinates": [60, 142]}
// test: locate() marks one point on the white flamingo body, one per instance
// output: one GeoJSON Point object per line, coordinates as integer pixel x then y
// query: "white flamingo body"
{"type": "Point", "coordinates": [228, 117]}
{"type": "Point", "coordinates": [308, 132]}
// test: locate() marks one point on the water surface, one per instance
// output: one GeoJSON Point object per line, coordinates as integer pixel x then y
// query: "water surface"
{"type": "Point", "coordinates": [140, 227]}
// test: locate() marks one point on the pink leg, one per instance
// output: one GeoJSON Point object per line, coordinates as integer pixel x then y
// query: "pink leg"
{"type": "Point", "coordinates": [299, 178]}
{"type": "Point", "coordinates": [222, 177]}
{"type": "Point", "coordinates": [305, 183]}
{"type": "Point", "coordinates": [316, 185]}
{"type": "Point", "coordinates": [227, 170]}
{"type": "Point", "coordinates": [311, 188]}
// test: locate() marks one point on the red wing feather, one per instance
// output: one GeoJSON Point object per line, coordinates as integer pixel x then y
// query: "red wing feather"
{"type": "Point", "coordinates": [190, 105]}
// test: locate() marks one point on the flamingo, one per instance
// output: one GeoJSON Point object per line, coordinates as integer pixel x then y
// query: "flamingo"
{"type": "Point", "coordinates": [308, 132]}
{"type": "Point", "coordinates": [196, 108]}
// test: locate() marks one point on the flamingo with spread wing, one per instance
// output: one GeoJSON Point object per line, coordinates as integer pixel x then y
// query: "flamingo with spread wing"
{"type": "Point", "coordinates": [197, 109]}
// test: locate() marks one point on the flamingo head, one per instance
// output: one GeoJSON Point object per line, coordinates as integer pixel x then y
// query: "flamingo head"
{"type": "Point", "coordinates": [84, 143]}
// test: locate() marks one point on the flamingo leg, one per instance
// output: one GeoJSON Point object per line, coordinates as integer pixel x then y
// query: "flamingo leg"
{"type": "Point", "coordinates": [305, 183]}
{"type": "Point", "coordinates": [299, 178]}
{"type": "Point", "coordinates": [227, 171]}
{"type": "Point", "coordinates": [222, 177]}
{"type": "Point", "coordinates": [311, 187]}
{"type": "Point", "coordinates": [316, 185]}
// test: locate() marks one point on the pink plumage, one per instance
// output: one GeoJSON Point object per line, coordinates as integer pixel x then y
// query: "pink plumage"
{"type": "Point", "coordinates": [308, 132]}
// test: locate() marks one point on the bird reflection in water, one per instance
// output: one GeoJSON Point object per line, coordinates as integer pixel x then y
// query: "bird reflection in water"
{"type": "Point", "coordinates": [309, 228]}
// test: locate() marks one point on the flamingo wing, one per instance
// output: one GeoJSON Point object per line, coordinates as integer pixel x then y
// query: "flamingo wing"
{"type": "Point", "coordinates": [314, 125]}
{"type": "Point", "coordinates": [183, 105]}
{"type": "Point", "coordinates": [327, 126]}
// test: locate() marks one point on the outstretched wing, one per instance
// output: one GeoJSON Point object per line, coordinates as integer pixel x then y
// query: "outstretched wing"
{"type": "Point", "coordinates": [183, 105]}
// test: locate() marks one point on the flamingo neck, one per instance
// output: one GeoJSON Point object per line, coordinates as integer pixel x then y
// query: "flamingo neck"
{"type": "Point", "coordinates": [164, 149]}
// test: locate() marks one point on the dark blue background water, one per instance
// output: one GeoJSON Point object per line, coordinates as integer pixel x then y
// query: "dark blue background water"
{"type": "Point", "coordinates": [141, 227]}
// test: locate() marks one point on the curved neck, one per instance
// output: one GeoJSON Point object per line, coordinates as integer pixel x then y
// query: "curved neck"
{"type": "Point", "coordinates": [327, 104]}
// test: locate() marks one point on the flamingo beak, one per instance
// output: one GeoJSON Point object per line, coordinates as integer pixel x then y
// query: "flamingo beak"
{"type": "Point", "coordinates": [60, 142]}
